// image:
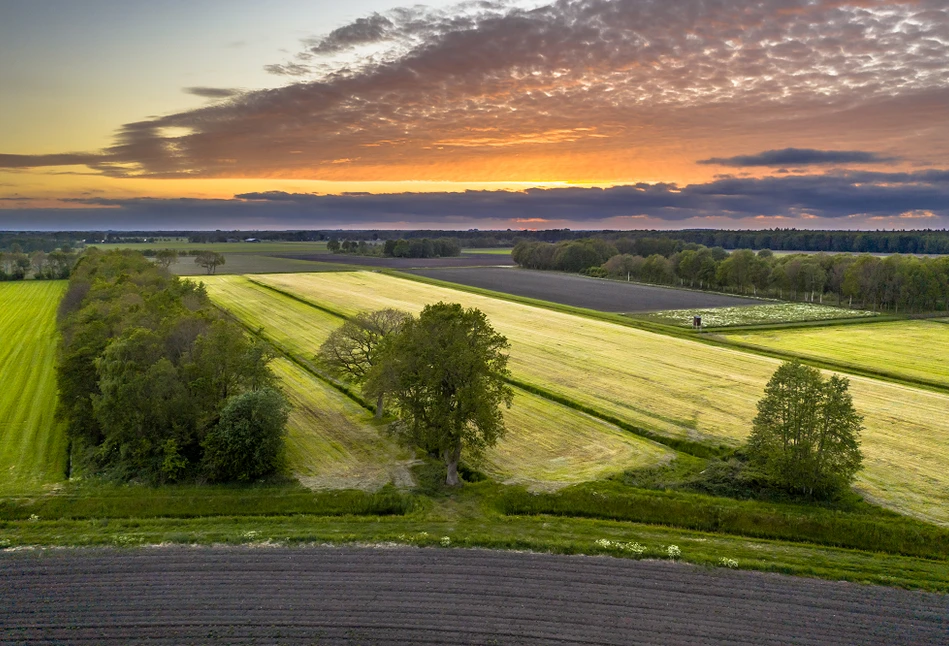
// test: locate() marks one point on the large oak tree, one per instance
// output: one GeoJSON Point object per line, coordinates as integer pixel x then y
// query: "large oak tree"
{"type": "Point", "coordinates": [446, 371]}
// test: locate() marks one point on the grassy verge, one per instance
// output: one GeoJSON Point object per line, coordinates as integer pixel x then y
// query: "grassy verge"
{"type": "Point", "coordinates": [871, 532]}
{"type": "Point", "coordinates": [139, 502]}
{"type": "Point", "coordinates": [468, 518]}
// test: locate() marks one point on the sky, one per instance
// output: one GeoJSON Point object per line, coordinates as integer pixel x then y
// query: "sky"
{"type": "Point", "coordinates": [586, 114]}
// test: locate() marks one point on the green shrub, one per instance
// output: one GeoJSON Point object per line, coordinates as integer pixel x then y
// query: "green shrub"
{"type": "Point", "coordinates": [247, 440]}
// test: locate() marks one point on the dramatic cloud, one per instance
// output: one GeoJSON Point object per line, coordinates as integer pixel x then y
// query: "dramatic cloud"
{"type": "Point", "coordinates": [800, 157]}
{"type": "Point", "coordinates": [578, 89]}
{"type": "Point", "coordinates": [845, 200]}
{"type": "Point", "coordinates": [212, 92]}
{"type": "Point", "coordinates": [363, 31]}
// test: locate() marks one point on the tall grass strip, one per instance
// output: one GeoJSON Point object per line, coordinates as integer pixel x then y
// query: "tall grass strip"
{"type": "Point", "coordinates": [743, 518]}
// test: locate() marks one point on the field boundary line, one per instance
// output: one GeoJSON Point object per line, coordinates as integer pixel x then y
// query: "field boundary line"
{"type": "Point", "coordinates": [696, 449]}
{"type": "Point", "coordinates": [298, 298]}
{"type": "Point", "coordinates": [299, 361]}
{"type": "Point", "coordinates": [681, 333]}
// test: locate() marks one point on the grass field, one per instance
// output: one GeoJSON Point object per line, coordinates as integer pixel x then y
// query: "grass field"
{"type": "Point", "coordinates": [674, 386]}
{"type": "Point", "coordinates": [756, 314]}
{"type": "Point", "coordinates": [492, 251]}
{"type": "Point", "coordinates": [908, 349]}
{"type": "Point", "coordinates": [548, 445]}
{"type": "Point", "coordinates": [332, 442]}
{"type": "Point", "coordinates": [32, 442]}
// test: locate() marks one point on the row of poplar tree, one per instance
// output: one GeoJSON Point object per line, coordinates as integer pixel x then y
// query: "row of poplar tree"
{"type": "Point", "coordinates": [896, 283]}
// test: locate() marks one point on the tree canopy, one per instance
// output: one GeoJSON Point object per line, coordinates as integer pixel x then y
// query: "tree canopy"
{"type": "Point", "coordinates": [147, 365]}
{"type": "Point", "coordinates": [353, 349]}
{"type": "Point", "coordinates": [446, 371]}
{"type": "Point", "coordinates": [806, 433]}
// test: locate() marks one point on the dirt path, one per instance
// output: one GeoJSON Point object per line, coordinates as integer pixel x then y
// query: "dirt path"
{"type": "Point", "coordinates": [327, 595]}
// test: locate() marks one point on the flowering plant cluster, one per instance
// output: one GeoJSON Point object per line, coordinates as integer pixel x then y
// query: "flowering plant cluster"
{"type": "Point", "coordinates": [673, 551]}
{"type": "Point", "coordinates": [632, 548]}
{"type": "Point", "coordinates": [727, 562]}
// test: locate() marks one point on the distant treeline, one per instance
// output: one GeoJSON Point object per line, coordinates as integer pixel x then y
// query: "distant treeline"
{"type": "Point", "coordinates": [16, 265]}
{"type": "Point", "coordinates": [888, 242]}
{"type": "Point", "coordinates": [155, 384]}
{"type": "Point", "coordinates": [928, 241]}
{"type": "Point", "coordinates": [897, 283]}
{"type": "Point", "coordinates": [399, 248]}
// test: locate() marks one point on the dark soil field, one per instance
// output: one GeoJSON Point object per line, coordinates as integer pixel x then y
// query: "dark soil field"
{"type": "Point", "coordinates": [464, 260]}
{"type": "Point", "coordinates": [325, 595]}
{"type": "Point", "coordinates": [581, 291]}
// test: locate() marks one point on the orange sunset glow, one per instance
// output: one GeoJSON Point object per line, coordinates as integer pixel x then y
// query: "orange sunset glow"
{"type": "Point", "coordinates": [814, 112]}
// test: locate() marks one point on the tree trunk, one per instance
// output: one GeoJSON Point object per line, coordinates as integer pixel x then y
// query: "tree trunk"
{"type": "Point", "coordinates": [452, 456]}
{"type": "Point", "coordinates": [379, 406]}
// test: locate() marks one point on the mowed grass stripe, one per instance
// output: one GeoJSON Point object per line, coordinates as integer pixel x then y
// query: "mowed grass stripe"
{"type": "Point", "coordinates": [332, 442]}
{"type": "Point", "coordinates": [297, 327]}
{"type": "Point", "coordinates": [33, 444]}
{"type": "Point", "coordinates": [902, 349]}
{"type": "Point", "coordinates": [548, 445]}
{"type": "Point", "coordinates": [674, 386]}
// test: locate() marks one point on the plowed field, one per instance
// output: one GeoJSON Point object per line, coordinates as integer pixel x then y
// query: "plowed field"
{"type": "Point", "coordinates": [432, 596]}
{"type": "Point", "coordinates": [581, 291]}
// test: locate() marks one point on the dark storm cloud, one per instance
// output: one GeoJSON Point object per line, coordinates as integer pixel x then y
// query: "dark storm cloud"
{"type": "Point", "coordinates": [800, 157]}
{"type": "Point", "coordinates": [212, 92]}
{"type": "Point", "coordinates": [838, 196]}
{"type": "Point", "coordinates": [581, 75]}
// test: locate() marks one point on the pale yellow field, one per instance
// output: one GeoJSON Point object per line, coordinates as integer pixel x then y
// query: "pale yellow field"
{"type": "Point", "coordinates": [295, 326]}
{"type": "Point", "coordinates": [913, 349]}
{"type": "Point", "coordinates": [547, 445]}
{"type": "Point", "coordinates": [674, 386]}
{"type": "Point", "coordinates": [332, 442]}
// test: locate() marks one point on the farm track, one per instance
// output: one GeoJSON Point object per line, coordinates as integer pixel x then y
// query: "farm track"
{"type": "Point", "coordinates": [581, 291]}
{"type": "Point", "coordinates": [321, 595]}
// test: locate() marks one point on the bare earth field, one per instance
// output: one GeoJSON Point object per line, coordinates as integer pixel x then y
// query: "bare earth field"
{"type": "Point", "coordinates": [322, 595]}
{"type": "Point", "coordinates": [581, 291]}
{"type": "Point", "coordinates": [464, 260]}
